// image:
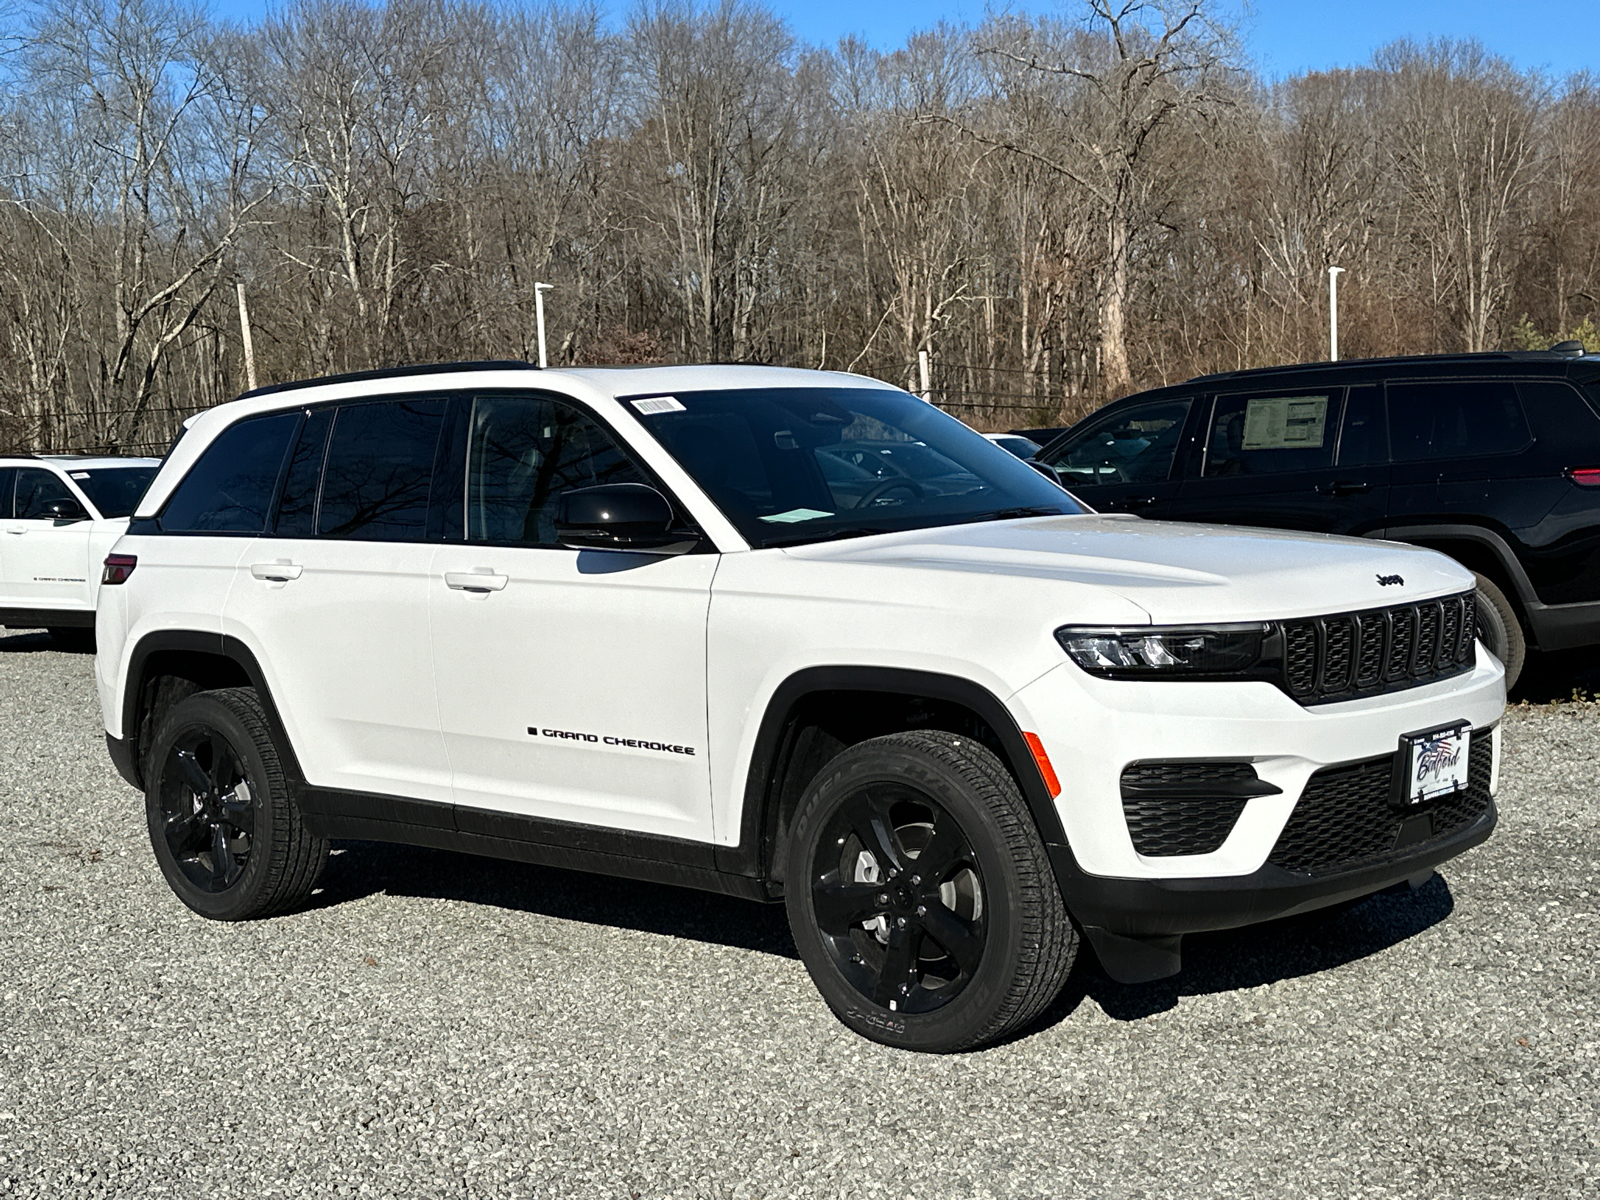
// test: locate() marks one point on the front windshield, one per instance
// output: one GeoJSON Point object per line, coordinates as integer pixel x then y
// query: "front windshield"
{"type": "Point", "coordinates": [115, 491]}
{"type": "Point", "coordinates": [793, 465]}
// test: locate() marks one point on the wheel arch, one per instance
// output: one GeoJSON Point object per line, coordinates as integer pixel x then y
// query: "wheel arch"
{"type": "Point", "coordinates": [167, 665]}
{"type": "Point", "coordinates": [800, 731]}
{"type": "Point", "coordinates": [1478, 549]}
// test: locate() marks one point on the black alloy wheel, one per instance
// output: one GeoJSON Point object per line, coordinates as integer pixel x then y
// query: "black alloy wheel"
{"type": "Point", "coordinates": [208, 811]}
{"type": "Point", "coordinates": [899, 899]}
{"type": "Point", "coordinates": [224, 825]}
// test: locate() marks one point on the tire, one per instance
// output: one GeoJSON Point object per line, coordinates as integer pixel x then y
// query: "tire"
{"type": "Point", "coordinates": [1500, 630]}
{"type": "Point", "coordinates": [982, 948]}
{"type": "Point", "coordinates": [227, 854]}
{"type": "Point", "coordinates": [74, 639]}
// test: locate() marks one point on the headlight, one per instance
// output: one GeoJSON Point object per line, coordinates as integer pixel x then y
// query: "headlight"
{"type": "Point", "coordinates": [1253, 651]}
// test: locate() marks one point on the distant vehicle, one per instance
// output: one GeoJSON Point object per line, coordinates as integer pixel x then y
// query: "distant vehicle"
{"type": "Point", "coordinates": [59, 515]}
{"type": "Point", "coordinates": [1043, 436]}
{"type": "Point", "coordinates": [1022, 447]}
{"type": "Point", "coordinates": [1493, 459]}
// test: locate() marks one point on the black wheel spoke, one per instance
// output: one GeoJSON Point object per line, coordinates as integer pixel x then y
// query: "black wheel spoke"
{"type": "Point", "coordinates": [221, 859]}
{"type": "Point", "coordinates": [876, 832]}
{"type": "Point", "coordinates": [898, 959]}
{"type": "Point", "coordinates": [947, 847]}
{"type": "Point", "coordinates": [185, 833]}
{"type": "Point", "coordinates": [957, 937]}
{"type": "Point", "coordinates": [841, 905]}
{"type": "Point", "coordinates": [193, 773]}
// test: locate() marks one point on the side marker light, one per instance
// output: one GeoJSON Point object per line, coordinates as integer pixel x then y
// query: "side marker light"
{"type": "Point", "coordinates": [1042, 761]}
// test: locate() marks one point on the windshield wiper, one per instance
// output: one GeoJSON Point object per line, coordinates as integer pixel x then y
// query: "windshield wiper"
{"type": "Point", "coordinates": [1011, 514]}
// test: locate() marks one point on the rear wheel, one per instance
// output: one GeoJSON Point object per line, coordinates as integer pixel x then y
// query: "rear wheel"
{"type": "Point", "coordinates": [224, 828]}
{"type": "Point", "coordinates": [1499, 629]}
{"type": "Point", "coordinates": [920, 895]}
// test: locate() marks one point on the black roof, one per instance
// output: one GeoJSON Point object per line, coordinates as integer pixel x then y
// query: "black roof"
{"type": "Point", "coordinates": [490, 364]}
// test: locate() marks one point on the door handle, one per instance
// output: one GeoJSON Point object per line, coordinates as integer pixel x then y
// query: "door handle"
{"type": "Point", "coordinates": [276, 572]}
{"type": "Point", "coordinates": [16, 529]}
{"type": "Point", "coordinates": [474, 581]}
{"type": "Point", "coordinates": [1343, 487]}
{"type": "Point", "coordinates": [1138, 501]}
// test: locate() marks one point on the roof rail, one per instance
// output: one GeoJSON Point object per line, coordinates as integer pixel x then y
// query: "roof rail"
{"type": "Point", "coordinates": [1396, 359]}
{"type": "Point", "coordinates": [491, 364]}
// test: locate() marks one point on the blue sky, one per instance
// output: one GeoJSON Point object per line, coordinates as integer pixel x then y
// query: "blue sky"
{"type": "Point", "coordinates": [1282, 36]}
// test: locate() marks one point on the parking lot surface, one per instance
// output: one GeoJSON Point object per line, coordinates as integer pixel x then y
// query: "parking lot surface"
{"type": "Point", "coordinates": [437, 1025]}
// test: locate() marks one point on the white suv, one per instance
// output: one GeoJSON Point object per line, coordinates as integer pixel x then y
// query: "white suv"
{"type": "Point", "coordinates": [58, 517]}
{"type": "Point", "coordinates": [683, 624]}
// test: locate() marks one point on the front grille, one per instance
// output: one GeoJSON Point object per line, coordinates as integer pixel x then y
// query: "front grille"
{"type": "Point", "coordinates": [1186, 807]}
{"type": "Point", "coordinates": [1344, 819]}
{"type": "Point", "coordinates": [1382, 650]}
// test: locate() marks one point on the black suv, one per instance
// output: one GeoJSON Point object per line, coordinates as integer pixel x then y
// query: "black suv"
{"type": "Point", "coordinates": [1493, 459]}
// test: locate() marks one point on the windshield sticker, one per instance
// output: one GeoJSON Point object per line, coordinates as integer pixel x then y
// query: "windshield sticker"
{"type": "Point", "coordinates": [1285, 422]}
{"type": "Point", "coordinates": [79, 474]}
{"type": "Point", "coordinates": [796, 514]}
{"type": "Point", "coordinates": [658, 404]}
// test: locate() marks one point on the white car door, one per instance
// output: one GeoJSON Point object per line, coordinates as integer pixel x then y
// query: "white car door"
{"type": "Point", "coordinates": [45, 561]}
{"type": "Point", "coordinates": [571, 684]}
{"type": "Point", "coordinates": [336, 595]}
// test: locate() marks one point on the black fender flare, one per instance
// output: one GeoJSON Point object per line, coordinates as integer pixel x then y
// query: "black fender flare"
{"type": "Point", "coordinates": [1483, 536]}
{"type": "Point", "coordinates": [747, 858]}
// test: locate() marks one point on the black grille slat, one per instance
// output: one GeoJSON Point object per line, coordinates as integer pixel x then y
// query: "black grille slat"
{"type": "Point", "coordinates": [1351, 654]}
{"type": "Point", "coordinates": [1343, 820]}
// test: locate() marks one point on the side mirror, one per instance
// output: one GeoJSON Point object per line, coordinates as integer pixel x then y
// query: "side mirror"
{"type": "Point", "coordinates": [620, 516]}
{"type": "Point", "coordinates": [1045, 469]}
{"type": "Point", "coordinates": [65, 510]}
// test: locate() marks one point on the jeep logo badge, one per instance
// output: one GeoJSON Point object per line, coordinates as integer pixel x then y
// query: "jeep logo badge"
{"type": "Point", "coordinates": [1388, 580]}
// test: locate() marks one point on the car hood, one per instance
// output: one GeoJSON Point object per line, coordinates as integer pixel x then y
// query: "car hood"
{"type": "Point", "coordinates": [1175, 572]}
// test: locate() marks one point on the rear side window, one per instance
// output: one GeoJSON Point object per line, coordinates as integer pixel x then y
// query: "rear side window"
{"type": "Point", "coordinates": [1133, 445]}
{"type": "Point", "coordinates": [116, 491]}
{"type": "Point", "coordinates": [379, 471]}
{"type": "Point", "coordinates": [229, 490]}
{"type": "Point", "coordinates": [37, 490]}
{"type": "Point", "coordinates": [8, 485]}
{"type": "Point", "coordinates": [1271, 434]}
{"type": "Point", "coordinates": [1456, 419]}
{"type": "Point", "coordinates": [525, 452]}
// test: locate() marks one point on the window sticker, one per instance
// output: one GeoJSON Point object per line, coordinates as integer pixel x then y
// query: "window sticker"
{"type": "Point", "coordinates": [796, 514]}
{"type": "Point", "coordinates": [1285, 422]}
{"type": "Point", "coordinates": [79, 474]}
{"type": "Point", "coordinates": [652, 405]}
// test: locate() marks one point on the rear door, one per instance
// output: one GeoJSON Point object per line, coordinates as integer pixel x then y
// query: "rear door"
{"type": "Point", "coordinates": [1309, 459]}
{"type": "Point", "coordinates": [46, 562]}
{"type": "Point", "coordinates": [1126, 460]}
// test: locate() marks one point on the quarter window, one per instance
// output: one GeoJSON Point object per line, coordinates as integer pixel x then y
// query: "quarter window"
{"type": "Point", "coordinates": [1271, 434]}
{"type": "Point", "coordinates": [8, 486]}
{"type": "Point", "coordinates": [1456, 419]}
{"type": "Point", "coordinates": [524, 453]}
{"type": "Point", "coordinates": [379, 470]}
{"type": "Point", "coordinates": [1134, 445]}
{"type": "Point", "coordinates": [229, 490]}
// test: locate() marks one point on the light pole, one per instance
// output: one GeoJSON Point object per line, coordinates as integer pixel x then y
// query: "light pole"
{"type": "Point", "coordinates": [539, 289]}
{"type": "Point", "coordinates": [1333, 312]}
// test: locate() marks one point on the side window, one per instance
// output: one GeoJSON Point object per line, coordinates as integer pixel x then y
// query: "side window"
{"type": "Point", "coordinates": [229, 490]}
{"type": "Point", "coordinates": [8, 486]}
{"type": "Point", "coordinates": [379, 471]}
{"type": "Point", "coordinates": [1364, 440]}
{"type": "Point", "coordinates": [1455, 419]}
{"type": "Point", "coordinates": [523, 452]}
{"type": "Point", "coordinates": [36, 490]}
{"type": "Point", "coordinates": [1271, 434]}
{"type": "Point", "coordinates": [297, 507]}
{"type": "Point", "coordinates": [1134, 445]}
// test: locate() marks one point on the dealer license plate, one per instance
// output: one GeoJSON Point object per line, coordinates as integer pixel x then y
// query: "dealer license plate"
{"type": "Point", "coordinates": [1435, 763]}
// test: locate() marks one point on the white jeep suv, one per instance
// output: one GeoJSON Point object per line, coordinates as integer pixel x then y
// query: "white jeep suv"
{"type": "Point", "coordinates": [683, 624]}
{"type": "Point", "coordinates": [59, 515]}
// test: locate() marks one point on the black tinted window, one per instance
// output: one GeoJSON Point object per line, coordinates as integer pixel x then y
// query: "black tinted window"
{"type": "Point", "coordinates": [1271, 434]}
{"type": "Point", "coordinates": [230, 489]}
{"type": "Point", "coordinates": [1363, 441]}
{"type": "Point", "coordinates": [1456, 419]}
{"type": "Point", "coordinates": [37, 490]}
{"type": "Point", "coordinates": [1132, 445]}
{"type": "Point", "coordinates": [379, 470]}
{"type": "Point", "coordinates": [297, 507]}
{"type": "Point", "coordinates": [525, 452]}
{"type": "Point", "coordinates": [115, 491]}
{"type": "Point", "coordinates": [8, 486]}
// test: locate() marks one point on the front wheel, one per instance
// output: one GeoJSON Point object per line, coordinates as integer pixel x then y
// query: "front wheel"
{"type": "Point", "coordinates": [225, 830]}
{"type": "Point", "coordinates": [1499, 630]}
{"type": "Point", "coordinates": [920, 895]}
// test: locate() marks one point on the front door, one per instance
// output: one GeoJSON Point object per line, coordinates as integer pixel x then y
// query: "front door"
{"type": "Point", "coordinates": [571, 683]}
{"type": "Point", "coordinates": [46, 562]}
{"type": "Point", "coordinates": [1123, 461]}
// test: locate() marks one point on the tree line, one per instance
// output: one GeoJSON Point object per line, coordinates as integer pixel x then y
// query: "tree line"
{"type": "Point", "coordinates": [1053, 211]}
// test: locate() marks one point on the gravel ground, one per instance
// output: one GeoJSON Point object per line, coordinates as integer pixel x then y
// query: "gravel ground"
{"type": "Point", "coordinates": [443, 1026]}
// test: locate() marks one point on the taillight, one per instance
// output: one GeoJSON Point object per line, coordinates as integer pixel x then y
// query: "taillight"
{"type": "Point", "coordinates": [1585, 476]}
{"type": "Point", "coordinates": [118, 568]}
